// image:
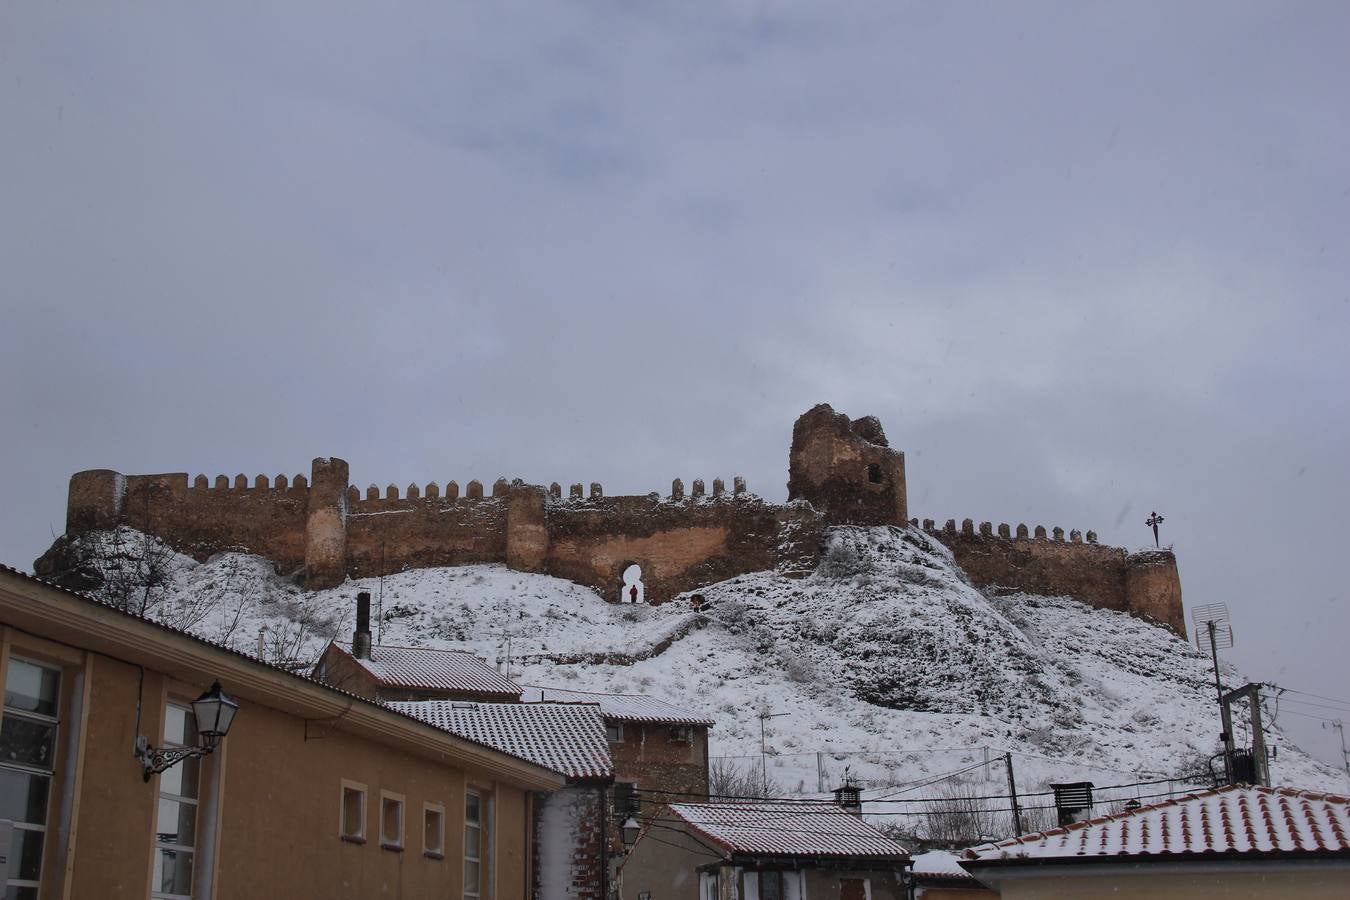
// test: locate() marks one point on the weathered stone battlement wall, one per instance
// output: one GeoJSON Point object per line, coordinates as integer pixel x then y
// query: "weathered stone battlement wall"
{"type": "Point", "coordinates": [681, 543]}
{"type": "Point", "coordinates": [265, 517]}
{"type": "Point", "coordinates": [1041, 561]}
{"type": "Point", "coordinates": [330, 530]}
{"type": "Point", "coordinates": [841, 471]}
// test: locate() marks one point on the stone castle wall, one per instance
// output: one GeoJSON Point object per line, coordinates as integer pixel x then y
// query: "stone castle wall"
{"type": "Point", "coordinates": [1041, 561]}
{"type": "Point", "coordinates": [841, 471]}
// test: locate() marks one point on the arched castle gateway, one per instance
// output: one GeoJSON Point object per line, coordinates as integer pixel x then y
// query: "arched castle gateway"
{"type": "Point", "coordinates": [840, 471]}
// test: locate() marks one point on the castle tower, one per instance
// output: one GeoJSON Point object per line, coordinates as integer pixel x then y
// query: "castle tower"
{"type": "Point", "coordinates": [1153, 588]}
{"type": "Point", "coordinates": [326, 524]}
{"type": "Point", "coordinates": [846, 470]}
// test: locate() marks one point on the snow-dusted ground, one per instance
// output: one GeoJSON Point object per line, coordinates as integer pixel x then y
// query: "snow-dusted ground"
{"type": "Point", "coordinates": [885, 663]}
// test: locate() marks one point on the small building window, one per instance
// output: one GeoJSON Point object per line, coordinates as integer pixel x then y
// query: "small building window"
{"type": "Point", "coordinates": [473, 846]}
{"type": "Point", "coordinates": [433, 830]}
{"type": "Point", "coordinates": [681, 734]}
{"type": "Point", "coordinates": [28, 735]}
{"type": "Point", "coordinates": [391, 821]}
{"type": "Point", "coordinates": [874, 473]}
{"type": "Point", "coordinates": [353, 825]}
{"type": "Point", "coordinates": [614, 732]}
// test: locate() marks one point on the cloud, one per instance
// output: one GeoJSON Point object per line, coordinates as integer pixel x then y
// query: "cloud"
{"type": "Point", "coordinates": [1079, 259]}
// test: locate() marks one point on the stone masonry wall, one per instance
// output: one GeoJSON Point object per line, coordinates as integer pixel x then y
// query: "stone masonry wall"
{"type": "Point", "coordinates": [841, 471]}
{"type": "Point", "coordinates": [1041, 561]}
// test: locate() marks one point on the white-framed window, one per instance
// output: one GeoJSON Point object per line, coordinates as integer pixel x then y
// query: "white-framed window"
{"type": "Point", "coordinates": [681, 734]}
{"type": "Point", "coordinates": [614, 732]}
{"type": "Point", "coordinates": [391, 820]}
{"type": "Point", "coordinates": [352, 821]}
{"type": "Point", "coordinates": [473, 845]}
{"type": "Point", "coordinates": [28, 727]}
{"type": "Point", "coordinates": [433, 830]}
{"type": "Point", "coordinates": [176, 815]}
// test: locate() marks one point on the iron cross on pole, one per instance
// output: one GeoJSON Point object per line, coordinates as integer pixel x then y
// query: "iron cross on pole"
{"type": "Point", "coordinates": [1155, 520]}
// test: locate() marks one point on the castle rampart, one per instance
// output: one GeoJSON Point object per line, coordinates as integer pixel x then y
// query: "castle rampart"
{"type": "Point", "coordinates": [1144, 584]}
{"type": "Point", "coordinates": [841, 471]}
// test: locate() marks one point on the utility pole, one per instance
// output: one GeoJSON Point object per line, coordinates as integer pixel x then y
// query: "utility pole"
{"type": "Point", "coordinates": [1213, 619]}
{"type": "Point", "coordinates": [1253, 694]}
{"type": "Point", "coordinates": [1345, 757]}
{"type": "Point", "coordinates": [1012, 792]}
{"type": "Point", "coordinates": [764, 716]}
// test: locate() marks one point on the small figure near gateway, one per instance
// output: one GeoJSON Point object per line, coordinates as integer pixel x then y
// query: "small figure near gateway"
{"type": "Point", "coordinates": [633, 590]}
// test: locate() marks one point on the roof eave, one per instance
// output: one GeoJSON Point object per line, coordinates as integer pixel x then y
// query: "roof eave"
{"type": "Point", "coordinates": [33, 605]}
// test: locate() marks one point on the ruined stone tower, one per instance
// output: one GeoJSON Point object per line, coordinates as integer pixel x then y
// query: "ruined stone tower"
{"type": "Point", "coordinates": [846, 470]}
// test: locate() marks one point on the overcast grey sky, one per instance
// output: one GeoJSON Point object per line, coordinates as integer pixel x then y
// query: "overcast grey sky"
{"type": "Point", "coordinates": [1082, 259]}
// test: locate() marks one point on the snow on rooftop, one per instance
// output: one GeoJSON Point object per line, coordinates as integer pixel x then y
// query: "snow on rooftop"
{"type": "Point", "coordinates": [1238, 820]}
{"type": "Point", "coordinates": [430, 669]}
{"type": "Point", "coordinates": [569, 739]}
{"type": "Point", "coordinates": [886, 662]}
{"type": "Point", "coordinates": [621, 707]}
{"type": "Point", "coordinates": [939, 864]}
{"type": "Point", "coordinates": [788, 829]}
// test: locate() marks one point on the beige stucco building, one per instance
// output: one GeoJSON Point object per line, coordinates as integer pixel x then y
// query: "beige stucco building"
{"type": "Point", "coordinates": [314, 792]}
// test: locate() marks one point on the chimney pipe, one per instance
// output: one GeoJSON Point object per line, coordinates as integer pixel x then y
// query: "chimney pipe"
{"type": "Point", "coordinates": [1073, 802]}
{"type": "Point", "coordinates": [361, 639]}
{"type": "Point", "coordinates": [849, 796]}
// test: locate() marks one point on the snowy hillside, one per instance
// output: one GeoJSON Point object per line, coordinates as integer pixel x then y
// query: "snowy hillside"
{"type": "Point", "coordinates": [885, 661]}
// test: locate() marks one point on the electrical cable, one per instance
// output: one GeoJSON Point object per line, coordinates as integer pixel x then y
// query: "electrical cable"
{"type": "Point", "coordinates": [1311, 694]}
{"type": "Point", "coordinates": [699, 798]}
{"type": "Point", "coordinates": [1318, 705]}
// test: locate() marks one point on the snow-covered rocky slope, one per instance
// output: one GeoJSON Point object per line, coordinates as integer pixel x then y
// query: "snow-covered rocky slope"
{"type": "Point", "coordinates": [885, 662]}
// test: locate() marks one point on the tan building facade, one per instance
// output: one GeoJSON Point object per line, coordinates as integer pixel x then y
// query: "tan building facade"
{"type": "Point", "coordinates": [313, 793]}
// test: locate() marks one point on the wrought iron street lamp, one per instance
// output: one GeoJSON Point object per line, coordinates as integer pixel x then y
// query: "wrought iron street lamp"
{"type": "Point", "coordinates": [214, 712]}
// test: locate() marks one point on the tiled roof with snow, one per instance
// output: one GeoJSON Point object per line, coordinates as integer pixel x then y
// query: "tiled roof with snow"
{"type": "Point", "coordinates": [276, 670]}
{"type": "Point", "coordinates": [623, 707]}
{"type": "Point", "coordinates": [939, 865]}
{"type": "Point", "coordinates": [788, 829]}
{"type": "Point", "coordinates": [567, 738]}
{"type": "Point", "coordinates": [1235, 821]}
{"type": "Point", "coordinates": [441, 670]}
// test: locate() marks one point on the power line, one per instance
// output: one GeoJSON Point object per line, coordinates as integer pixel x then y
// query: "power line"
{"type": "Point", "coordinates": [1194, 778]}
{"type": "Point", "coordinates": [1345, 709]}
{"type": "Point", "coordinates": [780, 829]}
{"type": "Point", "coordinates": [925, 782]}
{"type": "Point", "coordinates": [1311, 694]}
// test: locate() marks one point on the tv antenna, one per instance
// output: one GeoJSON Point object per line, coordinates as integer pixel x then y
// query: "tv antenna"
{"type": "Point", "coordinates": [1213, 625]}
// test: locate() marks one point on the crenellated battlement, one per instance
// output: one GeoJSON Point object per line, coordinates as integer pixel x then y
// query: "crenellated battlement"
{"type": "Point", "coordinates": [1052, 561]}
{"type": "Point", "coordinates": [987, 529]}
{"type": "Point", "coordinates": [323, 528]}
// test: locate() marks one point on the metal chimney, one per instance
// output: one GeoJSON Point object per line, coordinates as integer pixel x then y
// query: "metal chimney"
{"type": "Point", "coordinates": [849, 796]}
{"type": "Point", "coordinates": [361, 638]}
{"type": "Point", "coordinates": [1073, 802]}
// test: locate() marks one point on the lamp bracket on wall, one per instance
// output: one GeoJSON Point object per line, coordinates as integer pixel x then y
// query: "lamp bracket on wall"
{"type": "Point", "coordinates": [160, 759]}
{"type": "Point", "coordinates": [213, 712]}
